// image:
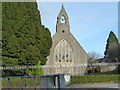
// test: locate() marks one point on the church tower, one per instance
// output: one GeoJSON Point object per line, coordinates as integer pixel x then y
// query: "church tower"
{"type": "Point", "coordinates": [66, 53]}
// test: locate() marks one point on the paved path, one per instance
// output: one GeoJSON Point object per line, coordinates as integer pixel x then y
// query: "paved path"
{"type": "Point", "coordinates": [113, 85]}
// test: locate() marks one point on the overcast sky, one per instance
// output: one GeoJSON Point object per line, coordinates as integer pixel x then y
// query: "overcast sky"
{"type": "Point", "coordinates": [90, 22]}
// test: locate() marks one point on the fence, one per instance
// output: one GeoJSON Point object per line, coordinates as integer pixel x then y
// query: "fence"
{"type": "Point", "coordinates": [57, 80]}
{"type": "Point", "coordinates": [38, 81]}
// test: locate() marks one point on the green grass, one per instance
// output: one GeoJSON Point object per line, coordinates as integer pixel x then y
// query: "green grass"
{"type": "Point", "coordinates": [94, 79]}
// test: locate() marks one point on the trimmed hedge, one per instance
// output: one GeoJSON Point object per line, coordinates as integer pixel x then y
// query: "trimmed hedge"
{"type": "Point", "coordinates": [94, 79]}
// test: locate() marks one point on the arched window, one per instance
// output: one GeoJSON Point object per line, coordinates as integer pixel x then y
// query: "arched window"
{"type": "Point", "coordinates": [63, 52]}
{"type": "Point", "coordinates": [70, 56]}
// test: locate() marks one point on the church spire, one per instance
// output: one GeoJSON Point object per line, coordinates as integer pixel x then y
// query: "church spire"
{"type": "Point", "coordinates": [62, 5]}
{"type": "Point", "coordinates": [62, 20]}
{"type": "Point", "coordinates": [62, 11]}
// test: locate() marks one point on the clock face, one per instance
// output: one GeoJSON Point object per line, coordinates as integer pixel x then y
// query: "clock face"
{"type": "Point", "coordinates": [62, 19]}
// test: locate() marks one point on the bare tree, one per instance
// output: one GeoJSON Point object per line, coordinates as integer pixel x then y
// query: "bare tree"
{"type": "Point", "coordinates": [93, 56]}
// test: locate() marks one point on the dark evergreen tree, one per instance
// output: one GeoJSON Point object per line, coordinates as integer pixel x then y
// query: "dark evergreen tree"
{"type": "Point", "coordinates": [112, 46]}
{"type": "Point", "coordinates": [25, 40]}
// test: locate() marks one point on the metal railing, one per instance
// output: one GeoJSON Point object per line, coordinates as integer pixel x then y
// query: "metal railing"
{"type": "Point", "coordinates": [46, 81]}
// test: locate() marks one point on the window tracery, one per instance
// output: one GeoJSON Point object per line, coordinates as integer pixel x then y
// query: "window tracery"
{"type": "Point", "coordinates": [63, 52]}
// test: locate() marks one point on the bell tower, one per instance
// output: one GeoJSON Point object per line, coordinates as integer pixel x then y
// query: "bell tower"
{"type": "Point", "coordinates": [62, 24]}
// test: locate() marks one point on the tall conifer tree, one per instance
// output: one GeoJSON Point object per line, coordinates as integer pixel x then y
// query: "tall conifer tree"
{"type": "Point", "coordinates": [112, 46]}
{"type": "Point", "coordinates": [25, 39]}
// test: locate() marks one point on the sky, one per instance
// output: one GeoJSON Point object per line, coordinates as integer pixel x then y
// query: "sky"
{"type": "Point", "coordinates": [90, 22]}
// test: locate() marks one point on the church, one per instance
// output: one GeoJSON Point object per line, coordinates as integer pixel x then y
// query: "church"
{"type": "Point", "coordinates": [66, 54]}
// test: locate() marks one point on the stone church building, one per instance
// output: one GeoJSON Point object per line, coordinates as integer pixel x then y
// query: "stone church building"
{"type": "Point", "coordinates": [66, 54]}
